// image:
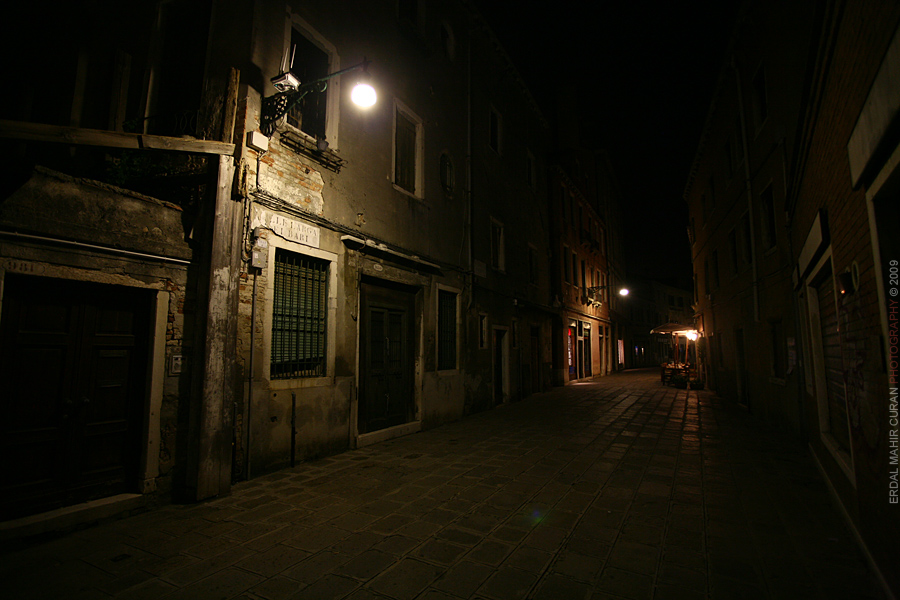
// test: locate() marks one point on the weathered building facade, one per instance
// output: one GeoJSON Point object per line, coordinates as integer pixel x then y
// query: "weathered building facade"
{"type": "Point", "coordinates": [791, 200]}
{"type": "Point", "coordinates": [588, 334]}
{"type": "Point", "coordinates": [197, 289]}
{"type": "Point", "coordinates": [408, 227]}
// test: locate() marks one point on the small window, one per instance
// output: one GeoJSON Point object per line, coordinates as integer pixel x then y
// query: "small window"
{"type": "Point", "coordinates": [496, 131]}
{"type": "Point", "coordinates": [567, 272]}
{"type": "Point", "coordinates": [498, 253]}
{"type": "Point", "coordinates": [446, 330]}
{"type": "Point", "coordinates": [299, 315]}
{"type": "Point", "coordinates": [574, 269]}
{"type": "Point", "coordinates": [482, 331]}
{"type": "Point", "coordinates": [447, 176]}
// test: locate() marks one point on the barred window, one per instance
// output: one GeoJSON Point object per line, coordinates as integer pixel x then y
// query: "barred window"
{"type": "Point", "coordinates": [299, 316]}
{"type": "Point", "coordinates": [446, 330]}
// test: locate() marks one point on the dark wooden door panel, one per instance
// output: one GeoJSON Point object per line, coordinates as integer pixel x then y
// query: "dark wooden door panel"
{"type": "Point", "coordinates": [386, 397]}
{"type": "Point", "coordinates": [74, 359]}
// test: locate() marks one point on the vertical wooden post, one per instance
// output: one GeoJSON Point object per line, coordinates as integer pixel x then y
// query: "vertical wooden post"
{"type": "Point", "coordinates": [216, 428]}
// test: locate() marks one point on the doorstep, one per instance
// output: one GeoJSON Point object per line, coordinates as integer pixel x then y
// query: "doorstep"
{"type": "Point", "coordinates": [71, 517]}
{"type": "Point", "coordinates": [375, 437]}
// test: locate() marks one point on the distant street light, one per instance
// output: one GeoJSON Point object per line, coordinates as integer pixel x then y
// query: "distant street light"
{"type": "Point", "coordinates": [597, 288]}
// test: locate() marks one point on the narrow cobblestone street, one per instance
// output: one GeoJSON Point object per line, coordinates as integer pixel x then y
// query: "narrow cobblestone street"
{"type": "Point", "coordinates": [620, 488]}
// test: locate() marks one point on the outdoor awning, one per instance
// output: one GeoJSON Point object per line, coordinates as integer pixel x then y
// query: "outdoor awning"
{"type": "Point", "coordinates": [673, 328]}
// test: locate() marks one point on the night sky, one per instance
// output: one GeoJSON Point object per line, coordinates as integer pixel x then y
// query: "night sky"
{"type": "Point", "coordinates": [646, 73]}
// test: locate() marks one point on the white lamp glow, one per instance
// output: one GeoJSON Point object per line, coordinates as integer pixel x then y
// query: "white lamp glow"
{"type": "Point", "coordinates": [692, 335]}
{"type": "Point", "coordinates": [623, 292]}
{"type": "Point", "coordinates": [363, 95]}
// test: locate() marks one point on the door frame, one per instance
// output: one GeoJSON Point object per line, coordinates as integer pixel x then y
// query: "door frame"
{"type": "Point", "coordinates": [147, 470]}
{"type": "Point", "coordinates": [357, 439]}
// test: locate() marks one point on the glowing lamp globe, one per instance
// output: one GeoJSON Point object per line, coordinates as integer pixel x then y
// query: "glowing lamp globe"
{"type": "Point", "coordinates": [363, 95]}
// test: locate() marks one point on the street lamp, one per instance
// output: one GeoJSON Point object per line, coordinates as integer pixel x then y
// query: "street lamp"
{"type": "Point", "coordinates": [592, 296]}
{"type": "Point", "coordinates": [291, 91]}
{"type": "Point", "coordinates": [593, 290]}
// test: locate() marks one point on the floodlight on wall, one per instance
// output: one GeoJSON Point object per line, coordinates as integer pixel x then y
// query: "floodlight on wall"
{"type": "Point", "coordinates": [291, 91]}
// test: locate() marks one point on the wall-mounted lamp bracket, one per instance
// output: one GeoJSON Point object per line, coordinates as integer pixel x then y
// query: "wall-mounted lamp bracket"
{"type": "Point", "coordinates": [292, 91]}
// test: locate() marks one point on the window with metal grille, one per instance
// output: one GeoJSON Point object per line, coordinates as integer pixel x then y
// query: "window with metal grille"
{"type": "Point", "coordinates": [299, 316]}
{"type": "Point", "coordinates": [446, 330]}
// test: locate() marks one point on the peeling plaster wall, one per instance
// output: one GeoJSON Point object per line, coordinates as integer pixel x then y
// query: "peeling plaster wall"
{"type": "Point", "coordinates": [283, 175]}
{"type": "Point", "coordinates": [54, 206]}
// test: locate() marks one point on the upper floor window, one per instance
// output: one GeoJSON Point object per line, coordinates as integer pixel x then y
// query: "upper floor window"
{"type": "Point", "coordinates": [407, 150]}
{"type": "Point", "coordinates": [447, 175]}
{"type": "Point", "coordinates": [498, 253]}
{"type": "Point", "coordinates": [308, 63]}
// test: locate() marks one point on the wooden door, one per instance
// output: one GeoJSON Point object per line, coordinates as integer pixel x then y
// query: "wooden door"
{"type": "Point", "coordinates": [386, 358]}
{"type": "Point", "coordinates": [73, 359]}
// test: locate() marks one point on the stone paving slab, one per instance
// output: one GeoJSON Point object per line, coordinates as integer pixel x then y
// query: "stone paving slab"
{"type": "Point", "coordinates": [615, 489]}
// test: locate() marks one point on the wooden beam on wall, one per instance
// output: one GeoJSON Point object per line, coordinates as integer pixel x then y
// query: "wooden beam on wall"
{"type": "Point", "coordinates": [77, 136]}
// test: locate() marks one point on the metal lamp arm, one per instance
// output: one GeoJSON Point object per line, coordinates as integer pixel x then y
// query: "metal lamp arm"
{"type": "Point", "coordinates": [276, 106]}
